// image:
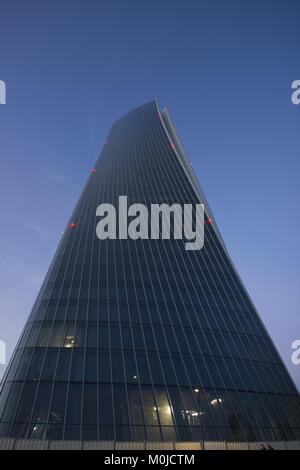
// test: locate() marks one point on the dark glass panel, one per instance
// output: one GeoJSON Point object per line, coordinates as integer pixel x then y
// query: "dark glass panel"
{"type": "Point", "coordinates": [63, 364]}
{"type": "Point", "coordinates": [150, 408]}
{"type": "Point", "coordinates": [12, 402]}
{"type": "Point", "coordinates": [58, 403]}
{"type": "Point", "coordinates": [26, 402]}
{"type": "Point", "coordinates": [135, 406]}
{"type": "Point", "coordinates": [36, 363]}
{"type": "Point", "coordinates": [120, 405]}
{"type": "Point", "coordinates": [77, 362]}
{"type": "Point", "coordinates": [90, 404]}
{"type": "Point", "coordinates": [91, 365]}
{"type": "Point", "coordinates": [42, 402]}
{"type": "Point", "coordinates": [106, 413]}
{"type": "Point", "coordinates": [73, 411]}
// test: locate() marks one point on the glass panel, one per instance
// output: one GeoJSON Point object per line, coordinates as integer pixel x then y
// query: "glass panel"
{"type": "Point", "coordinates": [63, 364]}
{"type": "Point", "coordinates": [73, 414]}
{"type": "Point", "coordinates": [135, 406]}
{"type": "Point", "coordinates": [105, 405]}
{"type": "Point", "coordinates": [41, 408]}
{"type": "Point", "coordinates": [164, 409]}
{"type": "Point", "coordinates": [91, 365]}
{"type": "Point", "coordinates": [90, 404]}
{"type": "Point", "coordinates": [12, 402]}
{"type": "Point", "coordinates": [150, 409]}
{"type": "Point", "coordinates": [58, 403]}
{"type": "Point", "coordinates": [36, 364]}
{"type": "Point", "coordinates": [120, 405]}
{"type": "Point", "coordinates": [76, 373]}
{"type": "Point", "coordinates": [26, 402]}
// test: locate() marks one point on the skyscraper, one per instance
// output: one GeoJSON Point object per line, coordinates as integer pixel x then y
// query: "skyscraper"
{"type": "Point", "coordinates": [143, 339]}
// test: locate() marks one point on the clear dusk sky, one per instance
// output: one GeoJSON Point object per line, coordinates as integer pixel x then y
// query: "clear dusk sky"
{"type": "Point", "coordinates": [224, 67]}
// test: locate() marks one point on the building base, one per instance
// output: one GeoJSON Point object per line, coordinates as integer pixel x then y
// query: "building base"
{"type": "Point", "coordinates": [43, 444]}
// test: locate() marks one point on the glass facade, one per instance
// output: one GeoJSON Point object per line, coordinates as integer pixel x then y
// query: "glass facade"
{"type": "Point", "coordinates": [142, 339]}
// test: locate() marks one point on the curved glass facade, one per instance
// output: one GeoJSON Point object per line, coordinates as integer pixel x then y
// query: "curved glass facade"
{"type": "Point", "coordinates": [142, 339]}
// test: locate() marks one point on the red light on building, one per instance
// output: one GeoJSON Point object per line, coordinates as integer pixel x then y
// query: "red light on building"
{"type": "Point", "coordinates": [73, 225]}
{"type": "Point", "coordinates": [159, 115]}
{"type": "Point", "coordinates": [208, 221]}
{"type": "Point", "coordinates": [114, 122]}
{"type": "Point", "coordinates": [93, 170]}
{"type": "Point", "coordinates": [106, 142]}
{"type": "Point", "coordinates": [172, 146]}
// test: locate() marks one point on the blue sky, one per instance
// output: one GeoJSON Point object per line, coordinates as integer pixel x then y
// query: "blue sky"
{"type": "Point", "coordinates": [224, 68]}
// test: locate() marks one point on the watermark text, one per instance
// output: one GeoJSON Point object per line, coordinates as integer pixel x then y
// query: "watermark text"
{"type": "Point", "coordinates": [295, 97]}
{"type": "Point", "coordinates": [2, 92]}
{"type": "Point", "coordinates": [296, 354]}
{"type": "Point", "coordinates": [2, 352]}
{"type": "Point", "coordinates": [188, 222]}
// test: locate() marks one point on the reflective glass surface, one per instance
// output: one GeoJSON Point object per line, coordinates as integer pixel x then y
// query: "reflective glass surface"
{"type": "Point", "coordinates": [142, 339]}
